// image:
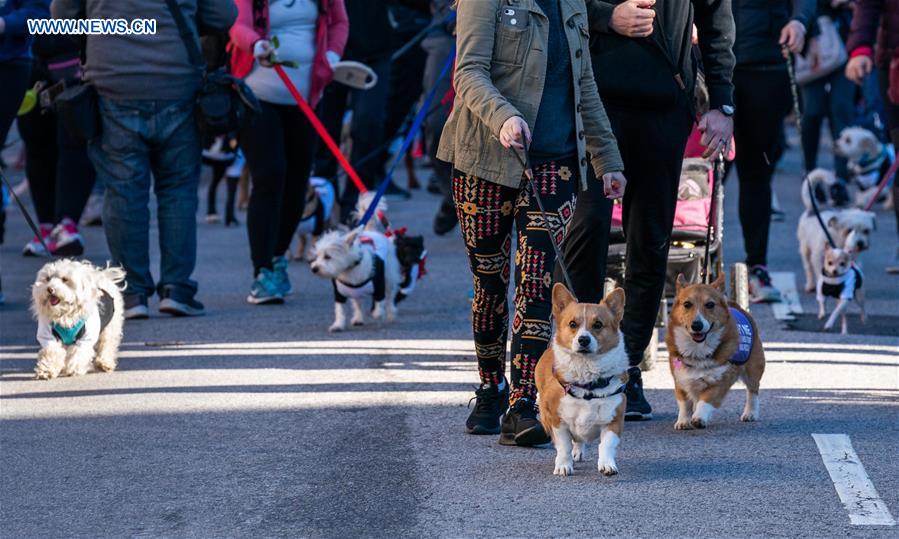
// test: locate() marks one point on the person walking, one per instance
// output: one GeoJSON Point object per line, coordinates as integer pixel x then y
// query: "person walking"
{"type": "Point", "coordinates": [875, 26]}
{"type": "Point", "coordinates": [644, 68]}
{"type": "Point", "coordinates": [279, 143]}
{"type": "Point", "coordinates": [524, 90]}
{"type": "Point", "coordinates": [149, 136]}
{"type": "Point", "coordinates": [763, 99]}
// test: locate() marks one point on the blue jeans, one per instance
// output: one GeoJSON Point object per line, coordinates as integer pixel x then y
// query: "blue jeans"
{"type": "Point", "coordinates": [140, 140]}
{"type": "Point", "coordinates": [831, 97]}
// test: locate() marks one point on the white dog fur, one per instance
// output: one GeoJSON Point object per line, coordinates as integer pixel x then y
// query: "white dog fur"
{"type": "Point", "coordinates": [858, 144]}
{"type": "Point", "coordinates": [66, 292]}
{"type": "Point", "coordinates": [850, 229]}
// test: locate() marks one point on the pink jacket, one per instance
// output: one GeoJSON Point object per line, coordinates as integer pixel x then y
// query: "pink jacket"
{"type": "Point", "coordinates": [252, 25]}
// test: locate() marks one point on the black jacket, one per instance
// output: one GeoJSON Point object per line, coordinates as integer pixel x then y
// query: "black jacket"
{"type": "Point", "coordinates": [627, 68]}
{"type": "Point", "coordinates": [759, 23]}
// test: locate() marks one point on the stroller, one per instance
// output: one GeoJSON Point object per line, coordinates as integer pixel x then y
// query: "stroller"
{"type": "Point", "coordinates": [696, 239]}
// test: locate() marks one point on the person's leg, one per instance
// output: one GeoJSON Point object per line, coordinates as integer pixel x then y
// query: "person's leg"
{"type": "Point", "coordinates": [75, 175]}
{"type": "Point", "coordinates": [405, 86]}
{"type": "Point", "coordinates": [437, 49]}
{"type": "Point", "coordinates": [763, 102]}
{"type": "Point", "coordinates": [486, 217]}
{"type": "Point", "coordinates": [262, 140]}
{"type": "Point", "coordinates": [330, 111]}
{"type": "Point", "coordinates": [815, 108]}
{"type": "Point", "coordinates": [298, 145]}
{"type": "Point", "coordinates": [367, 131]}
{"type": "Point", "coordinates": [38, 132]}
{"type": "Point", "coordinates": [842, 110]}
{"type": "Point", "coordinates": [176, 173]}
{"type": "Point", "coordinates": [586, 247]}
{"type": "Point", "coordinates": [891, 112]}
{"type": "Point", "coordinates": [121, 158]}
{"type": "Point", "coordinates": [15, 76]}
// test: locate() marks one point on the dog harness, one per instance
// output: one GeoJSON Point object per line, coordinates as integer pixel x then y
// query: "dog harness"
{"type": "Point", "coordinates": [588, 391]}
{"type": "Point", "coordinates": [375, 285]}
{"type": "Point", "coordinates": [871, 169]}
{"type": "Point", "coordinates": [841, 287]}
{"type": "Point", "coordinates": [744, 342]}
{"type": "Point", "coordinates": [71, 335]}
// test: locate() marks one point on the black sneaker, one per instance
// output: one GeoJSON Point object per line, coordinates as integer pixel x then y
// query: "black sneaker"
{"type": "Point", "coordinates": [395, 192]}
{"type": "Point", "coordinates": [521, 426]}
{"type": "Point", "coordinates": [180, 306]}
{"type": "Point", "coordinates": [490, 405]}
{"type": "Point", "coordinates": [638, 408]}
{"type": "Point", "coordinates": [136, 307]}
{"type": "Point", "coordinates": [446, 219]}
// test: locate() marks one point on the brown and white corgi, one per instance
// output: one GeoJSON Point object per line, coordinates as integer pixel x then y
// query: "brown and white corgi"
{"type": "Point", "coordinates": [711, 344]}
{"type": "Point", "coordinates": [581, 378]}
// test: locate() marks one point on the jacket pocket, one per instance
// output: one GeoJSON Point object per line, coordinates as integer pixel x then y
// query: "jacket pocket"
{"type": "Point", "coordinates": [509, 45]}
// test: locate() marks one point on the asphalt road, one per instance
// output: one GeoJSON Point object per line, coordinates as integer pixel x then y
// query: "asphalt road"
{"type": "Point", "coordinates": [254, 421]}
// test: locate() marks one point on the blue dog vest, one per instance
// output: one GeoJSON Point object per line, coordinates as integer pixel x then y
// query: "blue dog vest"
{"type": "Point", "coordinates": [744, 345]}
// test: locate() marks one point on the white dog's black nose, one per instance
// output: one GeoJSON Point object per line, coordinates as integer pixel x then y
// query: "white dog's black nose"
{"type": "Point", "coordinates": [696, 326]}
{"type": "Point", "coordinates": [50, 289]}
{"type": "Point", "coordinates": [314, 269]}
{"type": "Point", "coordinates": [584, 341]}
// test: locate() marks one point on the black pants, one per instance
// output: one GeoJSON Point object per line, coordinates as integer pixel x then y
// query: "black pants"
{"type": "Point", "coordinates": [60, 175]}
{"type": "Point", "coordinates": [438, 48]}
{"type": "Point", "coordinates": [278, 145]}
{"type": "Point", "coordinates": [367, 129]}
{"type": "Point", "coordinates": [762, 99]}
{"type": "Point", "coordinates": [892, 117]}
{"type": "Point", "coordinates": [405, 85]}
{"type": "Point", "coordinates": [652, 147]}
{"type": "Point", "coordinates": [15, 75]}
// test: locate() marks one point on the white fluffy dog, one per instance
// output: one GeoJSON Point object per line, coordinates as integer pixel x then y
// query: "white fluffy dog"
{"type": "Point", "coordinates": [80, 313]}
{"type": "Point", "coordinates": [868, 160]}
{"type": "Point", "coordinates": [360, 264]}
{"type": "Point", "coordinates": [850, 229]}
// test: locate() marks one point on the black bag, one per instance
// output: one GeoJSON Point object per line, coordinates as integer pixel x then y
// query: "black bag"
{"type": "Point", "coordinates": [223, 101]}
{"type": "Point", "coordinates": [79, 111]}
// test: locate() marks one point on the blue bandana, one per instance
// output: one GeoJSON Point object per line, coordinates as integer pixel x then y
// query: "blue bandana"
{"type": "Point", "coordinates": [744, 346]}
{"type": "Point", "coordinates": [68, 336]}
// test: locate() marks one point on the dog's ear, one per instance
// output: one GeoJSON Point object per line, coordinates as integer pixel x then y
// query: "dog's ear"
{"type": "Point", "coordinates": [869, 145]}
{"type": "Point", "coordinates": [561, 297]}
{"type": "Point", "coordinates": [833, 222]}
{"type": "Point", "coordinates": [718, 283]}
{"type": "Point", "coordinates": [827, 247]}
{"type": "Point", "coordinates": [615, 303]}
{"type": "Point", "coordinates": [351, 236]}
{"type": "Point", "coordinates": [680, 282]}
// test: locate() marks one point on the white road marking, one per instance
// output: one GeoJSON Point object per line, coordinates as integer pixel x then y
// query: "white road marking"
{"type": "Point", "coordinates": [785, 281]}
{"type": "Point", "coordinates": [853, 486]}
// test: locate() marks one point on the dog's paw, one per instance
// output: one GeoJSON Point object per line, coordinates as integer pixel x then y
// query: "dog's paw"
{"type": "Point", "coordinates": [809, 288]}
{"type": "Point", "coordinates": [698, 423]}
{"type": "Point", "coordinates": [829, 325]}
{"type": "Point", "coordinates": [608, 468]}
{"type": "Point", "coordinates": [683, 424]}
{"type": "Point", "coordinates": [105, 365]}
{"type": "Point", "coordinates": [564, 469]}
{"type": "Point", "coordinates": [45, 373]}
{"type": "Point", "coordinates": [337, 328]}
{"type": "Point", "coordinates": [358, 322]}
{"type": "Point", "coordinates": [748, 416]}
{"type": "Point", "coordinates": [577, 453]}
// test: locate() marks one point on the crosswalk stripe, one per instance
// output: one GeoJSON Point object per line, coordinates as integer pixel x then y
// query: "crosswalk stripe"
{"type": "Point", "coordinates": [785, 281]}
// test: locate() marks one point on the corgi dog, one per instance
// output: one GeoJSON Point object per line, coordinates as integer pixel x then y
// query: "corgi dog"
{"type": "Point", "coordinates": [711, 343]}
{"type": "Point", "coordinates": [581, 379]}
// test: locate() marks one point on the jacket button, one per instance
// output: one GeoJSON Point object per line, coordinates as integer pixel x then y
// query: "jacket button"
{"type": "Point", "coordinates": [583, 161]}
{"type": "Point", "coordinates": [580, 107]}
{"type": "Point", "coordinates": [580, 135]}
{"type": "Point", "coordinates": [578, 53]}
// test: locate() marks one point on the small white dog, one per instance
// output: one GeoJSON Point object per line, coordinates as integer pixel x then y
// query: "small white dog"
{"type": "Point", "coordinates": [80, 314]}
{"type": "Point", "coordinates": [868, 161]}
{"type": "Point", "coordinates": [842, 280]}
{"type": "Point", "coordinates": [360, 264]}
{"type": "Point", "coordinates": [850, 229]}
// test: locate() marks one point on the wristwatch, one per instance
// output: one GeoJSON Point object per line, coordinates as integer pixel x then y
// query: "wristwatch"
{"type": "Point", "coordinates": [727, 110]}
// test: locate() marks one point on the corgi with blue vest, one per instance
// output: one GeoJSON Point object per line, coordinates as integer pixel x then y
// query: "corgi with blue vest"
{"type": "Point", "coordinates": [712, 343]}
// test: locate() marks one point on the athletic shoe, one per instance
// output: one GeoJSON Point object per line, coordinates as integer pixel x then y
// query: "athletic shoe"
{"type": "Point", "coordinates": [637, 408]}
{"type": "Point", "coordinates": [760, 288]}
{"type": "Point", "coordinates": [279, 273]}
{"type": "Point", "coordinates": [521, 427]}
{"type": "Point", "coordinates": [179, 306]}
{"type": "Point", "coordinates": [35, 247]}
{"type": "Point", "coordinates": [65, 239]}
{"type": "Point", "coordinates": [446, 219]}
{"type": "Point", "coordinates": [490, 405]}
{"type": "Point", "coordinates": [136, 307]}
{"type": "Point", "coordinates": [93, 211]}
{"type": "Point", "coordinates": [395, 192]}
{"type": "Point", "coordinates": [265, 289]}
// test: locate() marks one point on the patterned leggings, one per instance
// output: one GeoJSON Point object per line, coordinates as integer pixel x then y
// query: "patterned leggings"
{"type": "Point", "coordinates": [487, 212]}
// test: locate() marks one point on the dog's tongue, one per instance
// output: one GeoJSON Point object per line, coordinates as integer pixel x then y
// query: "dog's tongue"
{"type": "Point", "coordinates": [54, 300]}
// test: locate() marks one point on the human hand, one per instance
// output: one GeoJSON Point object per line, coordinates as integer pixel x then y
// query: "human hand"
{"type": "Point", "coordinates": [838, 3]}
{"type": "Point", "coordinates": [515, 132]}
{"type": "Point", "coordinates": [613, 185]}
{"type": "Point", "coordinates": [858, 68]}
{"type": "Point", "coordinates": [793, 36]}
{"type": "Point", "coordinates": [716, 129]}
{"type": "Point", "coordinates": [633, 18]}
{"type": "Point", "coordinates": [263, 51]}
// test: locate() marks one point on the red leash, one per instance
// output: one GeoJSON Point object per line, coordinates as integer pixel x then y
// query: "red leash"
{"type": "Point", "coordinates": [883, 183]}
{"type": "Point", "coordinates": [320, 129]}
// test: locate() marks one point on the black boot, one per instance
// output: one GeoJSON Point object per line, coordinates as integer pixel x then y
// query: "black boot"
{"type": "Point", "coordinates": [521, 426]}
{"type": "Point", "coordinates": [638, 409]}
{"type": "Point", "coordinates": [490, 405]}
{"type": "Point", "coordinates": [446, 219]}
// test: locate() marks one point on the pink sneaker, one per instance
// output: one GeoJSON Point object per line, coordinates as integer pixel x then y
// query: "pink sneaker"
{"type": "Point", "coordinates": [34, 247]}
{"type": "Point", "coordinates": [65, 239]}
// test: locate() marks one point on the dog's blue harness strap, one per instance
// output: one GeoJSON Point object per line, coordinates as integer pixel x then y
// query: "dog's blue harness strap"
{"type": "Point", "coordinates": [68, 336]}
{"type": "Point", "coordinates": [744, 330]}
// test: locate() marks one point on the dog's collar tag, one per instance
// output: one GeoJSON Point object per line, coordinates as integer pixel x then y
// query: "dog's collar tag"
{"type": "Point", "coordinates": [68, 336]}
{"type": "Point", "coordinates": [744, 345]}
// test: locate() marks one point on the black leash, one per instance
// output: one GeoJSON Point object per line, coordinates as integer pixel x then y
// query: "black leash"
{"type": "Point", "coordinates": [12, 192]}
{"type": "Point", "coordinates": [717, 178]}
{"type": "Point", "coordinates": [796, 112]}
{"type": "Point", "coordinates": [529, 174]}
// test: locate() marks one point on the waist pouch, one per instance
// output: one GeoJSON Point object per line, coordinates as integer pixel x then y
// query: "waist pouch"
{"type": "Point", "coordinates": [78, 109]}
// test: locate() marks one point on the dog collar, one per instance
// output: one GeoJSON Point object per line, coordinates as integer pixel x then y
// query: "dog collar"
{"type": "Point", "coordinates": [869, 163]}
{"type": "Point", "coordinates": [588, 389]}
{"type": "Point", "coordinates": [68, 336]}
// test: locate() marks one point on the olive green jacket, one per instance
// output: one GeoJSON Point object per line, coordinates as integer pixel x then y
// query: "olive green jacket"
{"type": "Point", "coordinates": [500, 72]}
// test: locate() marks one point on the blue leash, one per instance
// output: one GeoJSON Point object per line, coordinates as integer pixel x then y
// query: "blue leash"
{"type": "Point", "coordinates": [407, 142]}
